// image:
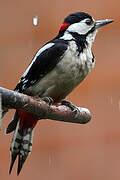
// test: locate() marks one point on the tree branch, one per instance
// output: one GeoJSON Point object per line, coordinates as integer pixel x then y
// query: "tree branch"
{"type": "Point", "coordinates": [14, 100]}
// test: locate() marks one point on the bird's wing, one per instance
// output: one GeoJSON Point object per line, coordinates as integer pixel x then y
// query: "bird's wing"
{"type": "Point", "coordinates": [43, 62]}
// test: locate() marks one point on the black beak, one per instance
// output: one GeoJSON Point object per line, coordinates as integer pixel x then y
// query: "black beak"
{"type": "Point", "coordinates": [101, 23]}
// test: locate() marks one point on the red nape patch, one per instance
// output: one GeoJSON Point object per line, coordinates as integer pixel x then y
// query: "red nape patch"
{"type": "Point", "coordinates": [64, 26]}
{"type": "Point", "coordinates": [27, 119]}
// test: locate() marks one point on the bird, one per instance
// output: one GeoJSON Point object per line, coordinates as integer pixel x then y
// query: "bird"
{"type": "Point", "coordinates": [57, 68]}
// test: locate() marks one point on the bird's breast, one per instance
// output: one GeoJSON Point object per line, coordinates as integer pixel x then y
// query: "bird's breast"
{"type": "Point", "coordinates": [68, 73]}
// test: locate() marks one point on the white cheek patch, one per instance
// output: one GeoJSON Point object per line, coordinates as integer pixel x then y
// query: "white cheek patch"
{"type": "Point", "coordinates": [80, 27]}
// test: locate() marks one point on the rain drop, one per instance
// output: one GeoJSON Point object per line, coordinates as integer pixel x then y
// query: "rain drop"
{"type": "Point", "coordinates": [111, 100]}
{"type": "Point", "coordinates": [119, 105]}
{"type": "Point", "coordinates": [50, 160]}
{"type": "Point", "coordinates": [35, 20]}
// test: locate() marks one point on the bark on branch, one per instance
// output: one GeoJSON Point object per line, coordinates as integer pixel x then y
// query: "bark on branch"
{"type": "Point", "coordinates": [14, 100]}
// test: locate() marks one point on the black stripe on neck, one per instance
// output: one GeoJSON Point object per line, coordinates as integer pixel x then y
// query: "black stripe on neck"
{"type": "Point", "coordinates": [80, 41]}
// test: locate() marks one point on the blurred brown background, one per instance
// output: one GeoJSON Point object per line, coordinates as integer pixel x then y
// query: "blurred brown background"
{"type": "Point", "coordinates": [62, 150]}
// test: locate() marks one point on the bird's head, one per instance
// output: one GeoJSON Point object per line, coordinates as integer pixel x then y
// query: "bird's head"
{"type": "Point", "coordinates": [82, 24]}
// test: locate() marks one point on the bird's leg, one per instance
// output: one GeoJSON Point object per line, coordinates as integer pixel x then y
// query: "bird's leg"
{"type": "Point", "coordinates": [48, 100]}
{"type": "Point", "coordinates": [74, 108]}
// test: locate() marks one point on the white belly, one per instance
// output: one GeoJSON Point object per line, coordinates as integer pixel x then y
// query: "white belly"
{"type": "Point", "coordinates": [68, 73]}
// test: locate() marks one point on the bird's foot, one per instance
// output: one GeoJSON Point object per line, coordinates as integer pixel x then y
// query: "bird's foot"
{"type": "Point", "coordinates": [74, 108]}
{"type": "Point", "coordinates": [48, 100]}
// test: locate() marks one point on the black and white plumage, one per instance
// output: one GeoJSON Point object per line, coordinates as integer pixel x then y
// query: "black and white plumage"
{"type": "Point", "coordinates": [57, 68]}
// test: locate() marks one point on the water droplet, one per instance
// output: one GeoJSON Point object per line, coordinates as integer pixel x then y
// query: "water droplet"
{"type": "Point", "coordinates": [119, 105]}
{"type": "Point", "coordinates": [49, 160]}
{"type": "Point", "coordinates": [35, 20]}
{"type": "Point", "coordinates": [111, 100]}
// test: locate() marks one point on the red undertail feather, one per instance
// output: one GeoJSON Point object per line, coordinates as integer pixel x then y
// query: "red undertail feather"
{"type": "Point", "coordinates": [27, 119]}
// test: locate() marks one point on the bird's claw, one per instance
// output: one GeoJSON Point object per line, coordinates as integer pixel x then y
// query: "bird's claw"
{"type": "Point", "coordinates": [48, 100]}
{"type": "Point", "coordinates": [74, 108]}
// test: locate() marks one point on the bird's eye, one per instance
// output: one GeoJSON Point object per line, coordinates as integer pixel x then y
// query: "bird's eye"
{"type": "Point", "coordinates": [89, 22]}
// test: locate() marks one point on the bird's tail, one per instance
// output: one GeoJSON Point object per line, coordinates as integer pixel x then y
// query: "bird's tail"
{"type": "Point", "coordinates": [21, 145]}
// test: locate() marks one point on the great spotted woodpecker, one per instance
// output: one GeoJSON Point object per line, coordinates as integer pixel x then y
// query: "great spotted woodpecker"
{"type": "Point", "coordinates": [56, 69]}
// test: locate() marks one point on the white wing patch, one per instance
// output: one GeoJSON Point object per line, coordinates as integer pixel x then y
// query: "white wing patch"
{"type": "Point", "coordinates": [49, 45]}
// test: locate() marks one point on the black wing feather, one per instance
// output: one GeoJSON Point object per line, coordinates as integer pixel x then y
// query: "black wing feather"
{"type": "Point", "coordinates": [43, 64]}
